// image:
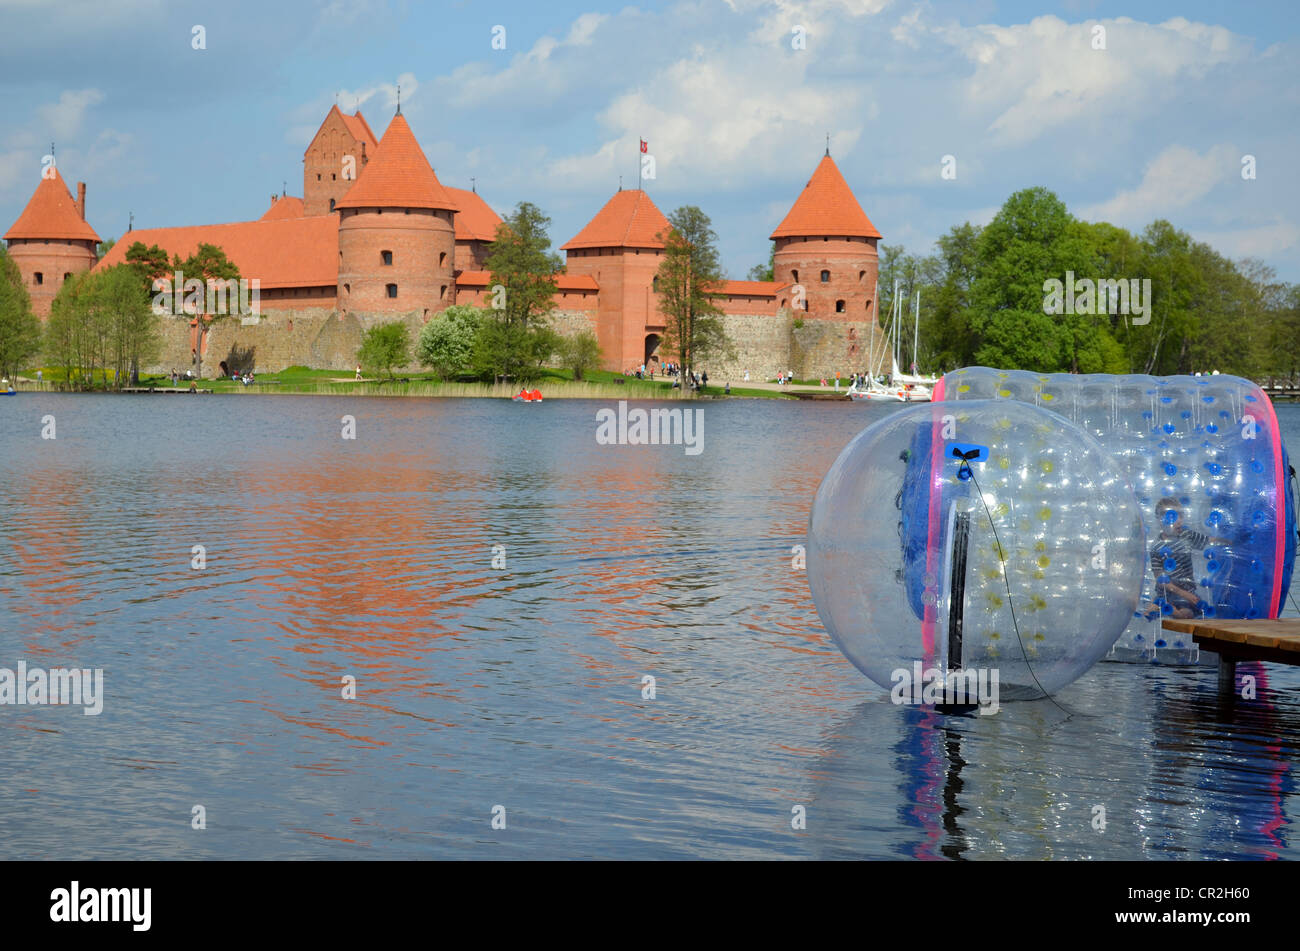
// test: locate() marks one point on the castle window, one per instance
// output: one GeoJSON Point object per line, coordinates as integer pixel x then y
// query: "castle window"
{"type": "Point", "coordinates": [442, 258]}
{"type": "Point", "coordinates": [442, 294]}
{"type": "Point", "coordinates": [379, 211]}
{"type": "Point", "coordinates": [318, 176]}
{"type": "Point", "coordinates": [347, 290]}
{"type": "Point", "coordinates": [387, 256]}
{"type": "Point", "coordinates": [333, 177]}
{"type": "Point", "coordinates": [655, 283]}
{"type": "Point", "coordinates": [826, 277]}
{"type": "Point", "coordinates": [862, 275]}
{"type": "Point", "coordinates": [795, 276]}
{"type": "Point", "coordinates": [805, 304]}
{"type": "Point", "coordinates": [67, 274]}
{"type": "Point", "coordinates": [839, 307]}
{"type": "Point", "coordinates": [331, 204]}
{"type": "Point", "coordinates": [40, 278]}
{"type": "Point", "coordinates": [392, 290]}
{"type": "Point", "coordinates": [868, 303]}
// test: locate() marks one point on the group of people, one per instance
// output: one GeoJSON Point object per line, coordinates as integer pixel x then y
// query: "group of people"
{"type": "Point", "coordinates": [695, 380]}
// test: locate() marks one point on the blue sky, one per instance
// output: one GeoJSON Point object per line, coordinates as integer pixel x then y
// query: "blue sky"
{"type": "Point", "coordinates": [1153, 126]}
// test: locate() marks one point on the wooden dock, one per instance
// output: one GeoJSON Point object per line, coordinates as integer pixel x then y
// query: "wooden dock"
{"type": "Point", "coordinates": [1276, 641]}
{"type": "Point", "coordinates": [161, 389]}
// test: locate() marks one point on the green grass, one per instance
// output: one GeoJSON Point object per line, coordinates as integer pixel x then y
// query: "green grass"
{"type": "Point", "coordinates": [553, 383]}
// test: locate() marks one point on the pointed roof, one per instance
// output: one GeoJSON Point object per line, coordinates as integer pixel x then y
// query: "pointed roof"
{"type": "Point", "coordinates": [826, 208]}
{"type": "Point", "coordinates": [398, 175]}
{"type": "Point", "coordinates": [51, 214]}
{"type": "Point", "coordinates": [628, 220]}
{"type": "Point", "coordinates": [360, 129]}
{"type": "Point", "coordinates": [286, 206]}
{"type": "Point", "coordinates": [475, 220]}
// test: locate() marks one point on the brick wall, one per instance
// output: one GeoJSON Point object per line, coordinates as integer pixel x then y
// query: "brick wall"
{"type": "Point", "coordinates": [51, 259]}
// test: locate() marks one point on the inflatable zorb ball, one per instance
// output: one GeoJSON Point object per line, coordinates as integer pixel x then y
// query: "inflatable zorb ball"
{"type": "Point", "coordinates": [906, 552]}
{"type": "Point", "coordinates": [1209, 444]}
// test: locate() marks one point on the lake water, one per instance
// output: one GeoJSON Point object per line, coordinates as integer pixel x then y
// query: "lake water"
{"type": "Point", "coordinates": [522, 687]}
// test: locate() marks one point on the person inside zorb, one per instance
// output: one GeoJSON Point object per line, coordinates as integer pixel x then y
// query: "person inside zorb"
{"type": "Point", "coordinates": [1171, 560]}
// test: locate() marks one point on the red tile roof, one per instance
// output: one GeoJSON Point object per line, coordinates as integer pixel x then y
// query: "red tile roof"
{"type": "Point", "coordinates": [751, 288]}
{"type": "Point", "coordinates": [826, 208]}
{"type": "Point", "coordinates": [398, 175]}
{"type": "Point", "coordinates": [360, 130]}
{"type": "Point", "coordinates": [475, 221]}
{"type": "Point", "coordinates": [628, 220]}
{"type": "Point", "coordinates": [564, 282]}
{"type": "Point", "coordinates": [51, 214]}
{"type": "Point", "coordinates": [287, 206]}
{"type": "Point", "coordinates": [286, 252]}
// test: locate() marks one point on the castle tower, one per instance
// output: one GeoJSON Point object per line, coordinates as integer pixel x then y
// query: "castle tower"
{"type": "Point", "coordinates": [827, 245]}
{"type": "Point", "coordinates": [397, 241]}
{"type": "Point", "coordinates": [622, 250]}
{"type": "Point", "coordinates": [339, 152]}
{"type": "Point", "coordinates": [51, 241]}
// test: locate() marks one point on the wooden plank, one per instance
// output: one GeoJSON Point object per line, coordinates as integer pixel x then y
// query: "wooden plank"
{"type": "Point", "coordinates": [1276, 640]}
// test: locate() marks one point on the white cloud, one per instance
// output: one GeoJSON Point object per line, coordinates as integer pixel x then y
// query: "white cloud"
{"type": "Point", "coordinates": [1037, 78]}
{"type": "Point", "coordinates": [1253, 241]}
{"type": "Point", "coordinates": [64, 118]}
{"type": "Point", "coordinates": [1174, 179]}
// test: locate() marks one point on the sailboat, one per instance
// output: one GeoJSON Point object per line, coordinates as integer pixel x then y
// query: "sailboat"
{"type": "Point", "coordinates": [919, 388]}
{"type": "Point", "coordinates": [901, 387]}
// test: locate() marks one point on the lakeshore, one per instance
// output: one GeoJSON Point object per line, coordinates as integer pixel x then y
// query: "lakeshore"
{"type": "Point", "coordinates": [554, 384]}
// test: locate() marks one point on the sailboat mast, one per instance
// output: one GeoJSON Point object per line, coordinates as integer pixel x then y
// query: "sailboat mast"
{"type": "Point", "coordinates": [916, 336]}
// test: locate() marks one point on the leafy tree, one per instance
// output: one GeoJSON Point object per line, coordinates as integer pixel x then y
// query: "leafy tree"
{"type": "Point", "coordinates": [104, 247]}
{"type": "Point", "coordinates": [20, 329]}
{"type": "Point", "coordinates": [689, 277]}
{"type": "Point", "coordinates": [760, 272]}
{"type": "Point", "coordinates": [385, 346]}
{"type": "Point", "coordinates": [1029, 241]}
{"type": "Point", "coordinates": [149, 263]}
{"type": "Point", "coordinates": [446, 343]}
{"type": "Point", "coordinates": [209, 265]}
{"type": "Point", "coordinates": [522, 263]}
{"type": "Point", "coordinates": [133, 328]}
{"type": "Point", "coordinates": [580, 353]}
{"type": "Point", "coordinates": [75, 335]}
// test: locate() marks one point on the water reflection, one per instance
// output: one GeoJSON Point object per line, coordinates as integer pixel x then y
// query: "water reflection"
{"type": "Point", "coordinates": [372, 559]}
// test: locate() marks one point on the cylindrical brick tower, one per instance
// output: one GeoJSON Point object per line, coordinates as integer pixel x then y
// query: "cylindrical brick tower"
{"type": "Point", "coordinates": [826, 249]}
{"type": "Point", "coordinates": [51, 240]}
{"type": "Point", "coordinates": [397, 239]}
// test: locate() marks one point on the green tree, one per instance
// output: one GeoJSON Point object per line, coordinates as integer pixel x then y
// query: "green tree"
{"type": "Point", "coordinates": [104, 247]}
{"type": "Point", "coordinates": [385, 346]}
{"type": "Point", "coordinates": [76, 335]}
{"type": "Point", "coordinates": [446, 343]}
{"type": "Point", "coordinates": [148, 264]}
{"type": "Point", "coordinates": [1032, 239]}
{"type": "Point", "coordinates": [765, 272]}
{"type": "Point", "coordinates": [20, 329]}
{"type": "Point", "coordinates": [209, 265]}
{"type": "Point", "coordinates": [580, 353]}
{"type": "Point", "coordinates": [133, 329]}
{"type": "Point", "coordinates": [945, 324]}
{"type": "Point", "coordinates": [523, 270]}
{"type": "Point", "coordinates": [689, 277]}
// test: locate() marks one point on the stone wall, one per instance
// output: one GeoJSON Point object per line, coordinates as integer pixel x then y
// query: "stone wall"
{"type": "Point", "coordinates": [318, 338]}
{"type": "Point", "coordinates": [310, 337]}
{"type": "Point", "coordinates": [768, 345]}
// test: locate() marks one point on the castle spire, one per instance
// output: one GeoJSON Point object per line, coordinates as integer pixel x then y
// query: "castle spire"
{"type": "Point", "coordinates": [828, 143]}
{"type": "Point", "coordinates": [399, 99]}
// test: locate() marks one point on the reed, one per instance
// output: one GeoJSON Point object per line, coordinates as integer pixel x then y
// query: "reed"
{"type": "Point", "coordinates": [552, 389]}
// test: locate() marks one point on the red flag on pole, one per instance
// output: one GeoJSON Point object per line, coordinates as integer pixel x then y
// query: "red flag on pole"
{"type": "Point", "coordinates": [645, 146]}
